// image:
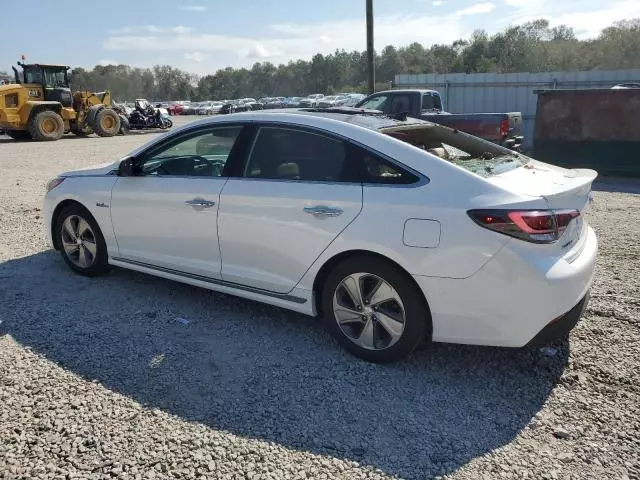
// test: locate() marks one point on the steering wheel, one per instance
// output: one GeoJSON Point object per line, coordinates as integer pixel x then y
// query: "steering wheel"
{"type": "Point", "coordinates": [157, 169]}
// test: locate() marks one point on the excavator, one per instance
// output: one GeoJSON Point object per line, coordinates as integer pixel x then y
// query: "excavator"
{"type": "Point", "coordinates": [41, 106]}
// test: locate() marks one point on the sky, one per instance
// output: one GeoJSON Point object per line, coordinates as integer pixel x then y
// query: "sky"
{"type": "Point", "coordinates": [202, 36]}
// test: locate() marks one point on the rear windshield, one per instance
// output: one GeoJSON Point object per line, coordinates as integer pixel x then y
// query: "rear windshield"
{"type": "Point", "coordinates": [473, 154]}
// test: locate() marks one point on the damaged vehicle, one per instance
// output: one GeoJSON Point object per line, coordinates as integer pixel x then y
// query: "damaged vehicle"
{"type": "Point", "coordinates": [395, 232]}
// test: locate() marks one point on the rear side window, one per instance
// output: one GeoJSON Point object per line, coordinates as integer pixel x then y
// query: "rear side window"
{"type": "Point", "coordinates": [431, 102]}
{"type": "Point", "coordinates": [375, 169]}
{"type": "Point", "coordinates": [293, 154]}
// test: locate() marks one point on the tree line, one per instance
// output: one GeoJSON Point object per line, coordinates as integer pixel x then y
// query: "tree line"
{"type": "Point", "coordinates": [531, 47]}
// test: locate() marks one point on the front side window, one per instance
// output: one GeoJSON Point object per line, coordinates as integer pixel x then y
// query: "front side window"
{"type": "Point", "coordinates": [202, 154]}
{"type": "Point", "coordinates": [378, 102]}
{"type": "Point", "coordinates": [291, 154]}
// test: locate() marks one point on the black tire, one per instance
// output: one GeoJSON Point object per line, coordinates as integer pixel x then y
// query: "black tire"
{"type": "Point", "coordinates": [99, 264]}
{"type": "Point", "coordinates": [417, 318]}
{"type": "Point", "coordinates": [107, 123]}
{"type": "Point", "coordinates": [46, 126]}
{"type": "Point", "coordinates": [19, 134]}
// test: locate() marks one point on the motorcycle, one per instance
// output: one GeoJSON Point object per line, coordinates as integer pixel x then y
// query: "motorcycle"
{"type": "Point", "coordinates": [145, 116]}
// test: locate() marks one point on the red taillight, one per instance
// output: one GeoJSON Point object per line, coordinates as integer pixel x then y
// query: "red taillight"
{"type": "Point", "coordinates": [504, 127]}
{"type": "Point", "coordinates": [538, 226]}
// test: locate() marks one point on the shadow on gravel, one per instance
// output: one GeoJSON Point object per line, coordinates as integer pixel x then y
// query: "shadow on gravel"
{"type": "Point", "coordinates": [266, 373]}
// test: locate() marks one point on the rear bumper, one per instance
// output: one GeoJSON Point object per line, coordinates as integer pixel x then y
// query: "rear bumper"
{"type": "Point", "coordinates": [561, 326]}
{"type": "Point", "coordinates": [512, 299]}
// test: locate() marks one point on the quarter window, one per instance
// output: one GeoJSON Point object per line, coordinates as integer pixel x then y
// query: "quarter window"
{"type": "Point", "coordinates": [375, 169]}
{"type": "Point", "coordinates": [202, 154]}
{"type": "Point", "coordinates": [291, 154]}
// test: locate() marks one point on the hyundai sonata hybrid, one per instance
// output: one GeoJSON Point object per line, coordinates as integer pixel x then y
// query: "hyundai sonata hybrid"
{"type": "Point", "coordinates": [394, 231]}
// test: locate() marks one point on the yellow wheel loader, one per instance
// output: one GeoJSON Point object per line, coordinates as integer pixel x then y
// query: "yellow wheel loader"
{"type": "Point", "coordinates": [40, 105]}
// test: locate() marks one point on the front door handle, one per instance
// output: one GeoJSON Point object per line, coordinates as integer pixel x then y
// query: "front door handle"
{"type": "Point", "coordinates": [323, 211]}
{"type": "Point", "coordinates": [200, 203]}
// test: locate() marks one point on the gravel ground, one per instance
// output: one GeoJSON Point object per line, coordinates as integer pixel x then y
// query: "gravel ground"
{"type": "Point", "coordinates": [130, 376]}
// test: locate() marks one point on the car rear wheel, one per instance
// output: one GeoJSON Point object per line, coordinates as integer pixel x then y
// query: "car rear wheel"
{"type": "Point", "coordinates": [374, 310]}
{"type": "Point", "coordinates": [81, 242]}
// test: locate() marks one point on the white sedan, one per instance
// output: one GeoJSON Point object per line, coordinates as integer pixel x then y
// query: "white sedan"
{"type": "Point", "coordinates": [396, 232]}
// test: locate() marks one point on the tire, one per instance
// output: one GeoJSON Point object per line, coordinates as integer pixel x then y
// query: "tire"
{"type": "Point", "coordinates": [75, 222]}
{"type": "Point", "coordinates": [107, 123]}
{"type": "Point", "coordinates": [46, 126]}
{"type": "Point", "coordinates": [19, 134]}
{"type": "Point", "coordinates": [383, 346]}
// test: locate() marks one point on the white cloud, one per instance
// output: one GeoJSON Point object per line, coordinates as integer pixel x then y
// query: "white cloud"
{"type": "Point", "coordinates": [292, 41]}
{"type": "Point", "coordinates": [104, 63]}
{"type": "Point", "coordinates": [193, 8]}
{"type": "Point", "coordinates": [477, 9]}
{"type": "Point", "coordinates": [194, 56]}
{"type": "Point", "coordinates": [437, 3]}
{"type": "Point", "coordinates": [180, 29]}
{"type": "Point", "coordinates": [587, 23]}
{"type": "Point", "coordinates": [259, 51]}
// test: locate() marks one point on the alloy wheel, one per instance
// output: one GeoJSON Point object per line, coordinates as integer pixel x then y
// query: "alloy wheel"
{"type": "Point", "coordinates": [369, 311]}
{"type": "Point", "coordinates": [79, 241]}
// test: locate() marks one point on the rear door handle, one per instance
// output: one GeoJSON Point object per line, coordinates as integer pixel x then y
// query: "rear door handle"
{"type": "Point", "coordinates": [323, 211]}
{"type": "Point", "coordinates": [200, 202]}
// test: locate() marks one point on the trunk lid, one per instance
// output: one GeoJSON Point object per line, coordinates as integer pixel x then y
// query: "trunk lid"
{"type": "Point", "coordinates": [560, 187]}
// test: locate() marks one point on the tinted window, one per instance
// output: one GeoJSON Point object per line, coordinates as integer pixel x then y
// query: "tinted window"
{"type": "Point", "coordinates": [431, 102]}
{"type": "Point", "coordinates": [400, 104]}
{"type": "Point", "coordinates": [375, 169]}
{"type": "Point", "coordinates": [202, 154]}
{"type": "Point", "coordinates": [282, 153]}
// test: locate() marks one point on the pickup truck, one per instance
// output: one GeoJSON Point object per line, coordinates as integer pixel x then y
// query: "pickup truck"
{"type": "Point", "coordinates": [502, 128]}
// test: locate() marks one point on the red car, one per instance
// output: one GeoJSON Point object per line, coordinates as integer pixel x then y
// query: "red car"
{"type": "Point", "coordinates": [175, 109]}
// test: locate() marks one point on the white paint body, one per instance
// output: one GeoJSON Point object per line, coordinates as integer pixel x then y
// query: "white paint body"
{"type": "Point", "coordinates": [482, 287]}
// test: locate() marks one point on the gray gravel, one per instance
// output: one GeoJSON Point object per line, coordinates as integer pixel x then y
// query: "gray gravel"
{"type": "Point", "coordinates": [130, 376]}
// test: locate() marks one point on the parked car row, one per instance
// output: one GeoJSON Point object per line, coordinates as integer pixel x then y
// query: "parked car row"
{"type": "Point", "coordinates": [212, 107]}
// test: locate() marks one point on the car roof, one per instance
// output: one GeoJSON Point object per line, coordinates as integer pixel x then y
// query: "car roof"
{"type": "Point", "coordinates": [407, 90]}
{"type": "Point", "coordinates": [319, 117]}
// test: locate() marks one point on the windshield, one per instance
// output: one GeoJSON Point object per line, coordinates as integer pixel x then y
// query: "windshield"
{"type": "Point", "coordinates": [375, 103]}
{"type": "Point", "coordinates": [473, 154]}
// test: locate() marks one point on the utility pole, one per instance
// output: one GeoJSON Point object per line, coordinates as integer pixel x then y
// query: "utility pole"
{"type": "Point", "coordinates": [371, 68]}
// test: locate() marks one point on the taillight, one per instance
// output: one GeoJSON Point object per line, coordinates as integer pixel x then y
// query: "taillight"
{"type": "Point", "coordinates": [504, 127]}
{"type": "Point", "coordinates": [537, 226]}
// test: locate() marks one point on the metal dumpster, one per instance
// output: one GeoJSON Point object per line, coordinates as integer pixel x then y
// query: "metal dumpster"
{"type": "Point", "coordinates": [597, 128]}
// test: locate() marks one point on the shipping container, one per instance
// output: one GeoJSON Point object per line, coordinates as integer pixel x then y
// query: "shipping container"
{"type": "Point", "coordinates": [589, 128]}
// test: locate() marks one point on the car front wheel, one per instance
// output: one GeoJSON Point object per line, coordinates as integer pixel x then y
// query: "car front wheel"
{"type": "Point", "coordinates": [374, 310]}
{"type": "Point", "coordinates": [81, 242]}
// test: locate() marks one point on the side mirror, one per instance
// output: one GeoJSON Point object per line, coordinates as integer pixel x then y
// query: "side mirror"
{"type": "Point", "coordinates": [128, 168]}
